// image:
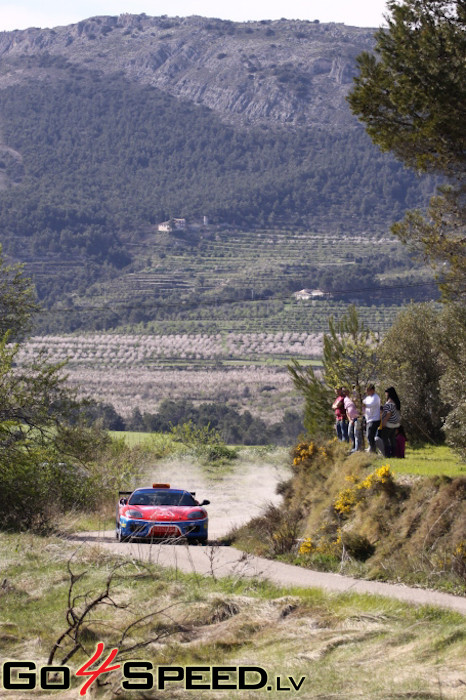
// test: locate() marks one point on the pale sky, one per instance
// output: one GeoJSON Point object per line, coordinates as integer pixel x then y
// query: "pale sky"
{"type": "Point", "coordinates": [21, 14]}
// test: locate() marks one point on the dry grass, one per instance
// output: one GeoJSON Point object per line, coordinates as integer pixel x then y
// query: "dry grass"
{"type": "Point", "coordinates": [354, 516]}
{"type": "Point", "coordinates": [346, 646]}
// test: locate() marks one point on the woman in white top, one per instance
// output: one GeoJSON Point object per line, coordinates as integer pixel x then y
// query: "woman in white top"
{"type": "Point", "coordinates": [372, 415]}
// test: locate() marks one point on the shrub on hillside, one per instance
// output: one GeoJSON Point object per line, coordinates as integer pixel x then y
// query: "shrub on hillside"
{"type": "Point", "coordinates": [205, 442]}
{"type": "Point", "coordinates": [42, 483]}
{"type": "Point", "coordinates": [353, 516]}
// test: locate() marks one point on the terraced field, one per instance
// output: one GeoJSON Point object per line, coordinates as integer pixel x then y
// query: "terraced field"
{"type": "Point", "coordinates": [210, 314]}
{"type": "Point", "coordinates": [131, 370]}
{"type": "Point", "coordinates": [219, 280]}
{"type": "Point", "coordinates": [113, 351]}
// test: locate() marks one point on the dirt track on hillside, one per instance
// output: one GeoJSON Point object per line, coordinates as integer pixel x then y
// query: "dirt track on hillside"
{"type": "Point", "coordinates": [226, 561]}
{"type": "Point", "coordinates": [235, 498]}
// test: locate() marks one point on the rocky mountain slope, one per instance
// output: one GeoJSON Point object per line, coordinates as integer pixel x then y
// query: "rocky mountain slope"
{"type": "Point", "coordinates": [268, 72]}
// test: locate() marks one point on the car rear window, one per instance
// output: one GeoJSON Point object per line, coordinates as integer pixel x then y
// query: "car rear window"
{"type": "Point", "coordinates": [162, 498]}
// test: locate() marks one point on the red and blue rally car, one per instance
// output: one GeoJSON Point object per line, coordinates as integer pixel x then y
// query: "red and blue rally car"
{"type": "Point", "coordinates": [161, 512]}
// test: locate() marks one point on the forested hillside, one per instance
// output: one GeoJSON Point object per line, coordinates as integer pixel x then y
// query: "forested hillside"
{"type": "Point", "coordinates": [91, 158]}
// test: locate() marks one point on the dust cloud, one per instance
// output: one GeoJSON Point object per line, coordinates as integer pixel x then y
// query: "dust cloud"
{"type": "Point", "coordinates": [236, 493]}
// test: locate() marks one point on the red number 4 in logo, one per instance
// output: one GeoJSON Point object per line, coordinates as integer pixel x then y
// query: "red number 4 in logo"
{"type": "Point", "coordinates": [103, 668]}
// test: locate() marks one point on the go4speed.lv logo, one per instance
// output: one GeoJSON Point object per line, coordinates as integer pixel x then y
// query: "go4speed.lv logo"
{"type": "Point", "coordinates": [141, 675]}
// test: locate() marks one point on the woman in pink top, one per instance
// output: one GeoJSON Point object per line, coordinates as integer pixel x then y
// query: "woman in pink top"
{"type": "Point", "coordinates": [353, 415]}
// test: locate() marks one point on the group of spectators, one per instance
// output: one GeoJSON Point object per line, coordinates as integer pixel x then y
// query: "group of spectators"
{"type": "Point", "coordinates": [381, 423]}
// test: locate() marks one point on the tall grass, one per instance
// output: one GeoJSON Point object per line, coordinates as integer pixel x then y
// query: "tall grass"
{"type": "Point", "coordinates": [347, 646]}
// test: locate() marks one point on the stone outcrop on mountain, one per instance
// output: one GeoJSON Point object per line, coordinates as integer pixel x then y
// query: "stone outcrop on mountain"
{"type": "Point", "coordinates": [268, 72]}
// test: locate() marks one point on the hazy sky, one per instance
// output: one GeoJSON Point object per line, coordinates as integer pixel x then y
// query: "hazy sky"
{"type": "Point", "coordinates": [20, 14]}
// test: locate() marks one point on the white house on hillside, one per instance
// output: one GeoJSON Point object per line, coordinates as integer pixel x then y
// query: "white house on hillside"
{"type": "Point", "coordinates": [306, 294]}
{"type": "Point", "coordinates": [172, 225]}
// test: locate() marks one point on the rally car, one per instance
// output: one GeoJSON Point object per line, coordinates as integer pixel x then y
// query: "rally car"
{"type": "Point", "coordinates": [160, 512]}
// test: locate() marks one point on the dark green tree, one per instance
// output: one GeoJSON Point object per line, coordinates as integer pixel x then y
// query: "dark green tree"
{"type": "Point", "coordinates": [318, 397]}
{"type": "Point", "coordinates": [410, 95]}
{"type": "Point", "coordinates": [46, 463]}
{"type": "Point", "coordinates": [17, 300]}
{"type": "Point", "coordinates": [439, 239]}
{"type": "Point", "coordinates": [451, 341]}
{"type": "Point", "coordinates": [350, 353]}
{"type": "Point", "coordinates": [409, 359]}
{"type": "Point", "coordinates": [349, 360]}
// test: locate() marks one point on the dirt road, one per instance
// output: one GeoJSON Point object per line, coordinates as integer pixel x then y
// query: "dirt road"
{"type": "Point", "coordinates": [227, 561]}
{"type": "Point", "coordinates": [236, 498]}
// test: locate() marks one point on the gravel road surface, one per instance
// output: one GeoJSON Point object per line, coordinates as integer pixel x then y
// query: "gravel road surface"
{"type": "Point", "coordinates": [227, 561]}
{"type": "Point", "coordinates": [236, 498]}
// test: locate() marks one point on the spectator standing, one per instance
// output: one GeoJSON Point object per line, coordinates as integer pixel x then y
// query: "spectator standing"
{"type": "Point", "coordinates": [372, 415]}
{"type": "Point", "coordinates": [341, 420]}
{"type": "Point", "coordinates": [391, 420]}
{"type": "Point", "coordinates": [400, 442]}
{"type": "Point", "coordinates": [353, 415]}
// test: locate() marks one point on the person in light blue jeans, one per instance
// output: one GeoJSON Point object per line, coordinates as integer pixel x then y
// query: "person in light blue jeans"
{"type": "Point", "coordinates": [372, 415]}
{"type": "Point", "coordinates": [353, 418]}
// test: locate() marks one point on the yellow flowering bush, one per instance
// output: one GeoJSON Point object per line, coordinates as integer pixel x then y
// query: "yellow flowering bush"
{"type": "Point", "coordinates": [304, 451]}
{"type": "Point", "coordinates": [324, 546]}
{"type": "Point", "coordinates": [346, 500]}
{"type": "Point", "coordinates": [350, 497]}
{"type": "Point", "coordinates": [382, 475]}
{"type": "Point", "coordinates": [306, 547]}
{"type": "Point", "coordinates": [307, 450]}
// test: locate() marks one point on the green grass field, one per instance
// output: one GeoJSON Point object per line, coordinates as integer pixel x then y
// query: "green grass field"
{"type": "Point", "coordinates": [132, 438]}
{"type": "Point", "coordinates": [430, 460]}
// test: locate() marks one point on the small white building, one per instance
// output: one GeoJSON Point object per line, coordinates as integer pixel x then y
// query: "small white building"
{"type": "Point", "coordinates": [172, 225]}
{"type": "Point", "coordinates": [306, 294]}
{"type": "Point", "coordinates": [165, 226]}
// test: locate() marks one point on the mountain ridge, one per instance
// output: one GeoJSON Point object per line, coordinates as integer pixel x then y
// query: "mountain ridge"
{"type": "Point", "coordinates": [267, 72]}
{"type": "Point", "coordinates": [115, 124]}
